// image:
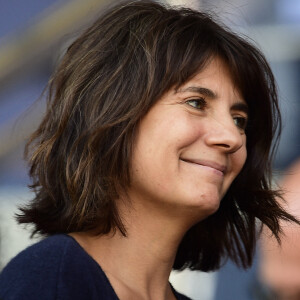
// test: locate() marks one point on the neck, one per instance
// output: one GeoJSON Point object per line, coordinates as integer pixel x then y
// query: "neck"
{"type": "Point", "coordinates": [141, 262]}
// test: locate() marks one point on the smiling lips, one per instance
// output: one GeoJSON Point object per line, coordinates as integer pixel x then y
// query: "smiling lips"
{"type": "Point", "coordinates": [221, 169]}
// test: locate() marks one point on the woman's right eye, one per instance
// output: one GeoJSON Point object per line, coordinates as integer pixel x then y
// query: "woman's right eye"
{"type": "Point", "coordinates": [197, 103]}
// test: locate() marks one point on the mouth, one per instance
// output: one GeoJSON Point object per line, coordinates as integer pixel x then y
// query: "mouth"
{"type": "Point", "coordinates": [221, 169]}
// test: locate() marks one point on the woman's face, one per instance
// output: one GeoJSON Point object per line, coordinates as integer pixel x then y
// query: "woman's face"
{"type": "Point", "coordinates": [191, 144]}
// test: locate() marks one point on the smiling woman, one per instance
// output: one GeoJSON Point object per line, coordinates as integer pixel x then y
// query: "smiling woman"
{"type": "Point", "coordinates": [202, 145]}
{"type": "Point", "coordinates": [154, 154]}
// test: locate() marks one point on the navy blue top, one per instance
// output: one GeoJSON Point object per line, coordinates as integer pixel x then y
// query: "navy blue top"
{"type": "Point", "coordinates": [56, 268]}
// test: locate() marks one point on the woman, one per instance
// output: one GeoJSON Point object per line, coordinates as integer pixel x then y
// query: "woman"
{"type": "Point", "coordinates": [141, 164]}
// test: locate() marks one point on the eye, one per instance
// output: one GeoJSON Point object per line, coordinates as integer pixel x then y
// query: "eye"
{"type": "Point", "coordinates": [198, 103]}
{"type": "Point", "coordinates": [240, 122]}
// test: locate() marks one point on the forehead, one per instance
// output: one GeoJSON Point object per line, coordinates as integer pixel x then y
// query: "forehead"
{"type": "Point", "coordinates": [214, 80]}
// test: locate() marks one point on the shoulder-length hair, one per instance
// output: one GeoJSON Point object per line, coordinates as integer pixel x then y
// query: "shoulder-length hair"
{"type": "Point", "coordinates": [109, 78]}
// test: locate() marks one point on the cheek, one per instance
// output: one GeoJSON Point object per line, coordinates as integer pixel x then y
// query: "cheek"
{"type": "Point", "coordinates": [239, 159]}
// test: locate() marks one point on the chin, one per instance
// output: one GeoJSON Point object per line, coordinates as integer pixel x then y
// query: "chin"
{"type": "Point", "coordinates": [209, 209]}
{"type": "Point", "coordinates": [204, 206]}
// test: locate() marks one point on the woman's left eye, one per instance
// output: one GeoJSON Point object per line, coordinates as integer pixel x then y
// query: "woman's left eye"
{"type": "Point", "coordinates": [240, 122]}
{"type": "Point", "coordinates": [198, 103]}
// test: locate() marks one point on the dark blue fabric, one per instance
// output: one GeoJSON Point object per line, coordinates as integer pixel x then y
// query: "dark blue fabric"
{"type": "Point", "coordinates": [56, 268]}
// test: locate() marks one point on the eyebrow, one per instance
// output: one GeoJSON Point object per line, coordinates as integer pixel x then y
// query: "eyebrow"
{"type": "Point", "coordinates": [200, 90]}
{"type": "Point", "coordinates": [240, 105]}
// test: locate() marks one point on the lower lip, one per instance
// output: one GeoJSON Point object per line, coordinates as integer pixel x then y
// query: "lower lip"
{"type": "Point", "coordinates": [215, 171]}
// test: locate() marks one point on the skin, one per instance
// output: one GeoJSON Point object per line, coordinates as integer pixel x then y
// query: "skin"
{"type": "Point", "coordinates": [189, 148]}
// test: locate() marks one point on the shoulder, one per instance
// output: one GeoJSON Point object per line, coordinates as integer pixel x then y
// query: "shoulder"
{"type": "Point", "coordinates": [42, 254]}
{"type": "Point", "coordinates": [35, 270]}
{"type": "Point", "coordinates": [55, 268]}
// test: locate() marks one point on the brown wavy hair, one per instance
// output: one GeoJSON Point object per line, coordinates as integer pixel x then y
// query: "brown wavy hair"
{"type": "Point", "coordinates": [111, 75]}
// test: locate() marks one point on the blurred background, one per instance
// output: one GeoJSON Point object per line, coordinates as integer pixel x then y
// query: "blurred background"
{"type": "Point", "coordinates": [33, 36]}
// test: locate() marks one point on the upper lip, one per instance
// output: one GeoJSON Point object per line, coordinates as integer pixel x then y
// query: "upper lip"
{"type": "Point", "coordinates": [206, 163]}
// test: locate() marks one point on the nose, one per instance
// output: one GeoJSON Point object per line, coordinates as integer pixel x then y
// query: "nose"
{"type": "Point", "coordinates": [225, 135]}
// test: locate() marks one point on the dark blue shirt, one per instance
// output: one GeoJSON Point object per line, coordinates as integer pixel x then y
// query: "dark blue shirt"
{"type": "Point", "coordinates": [56, 268]}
